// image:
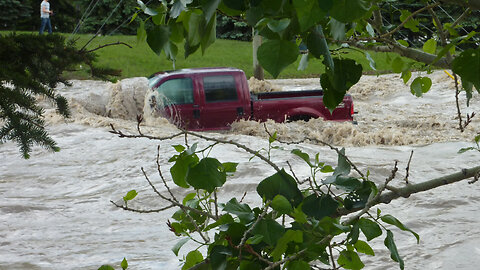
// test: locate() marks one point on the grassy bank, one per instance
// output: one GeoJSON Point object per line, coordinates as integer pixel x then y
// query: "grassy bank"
{"type": "Point", "coordinates": [141, 61]}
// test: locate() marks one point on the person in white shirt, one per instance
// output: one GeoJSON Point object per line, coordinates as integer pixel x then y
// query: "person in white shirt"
{"type": "Point", "coordinates": [45, 13]}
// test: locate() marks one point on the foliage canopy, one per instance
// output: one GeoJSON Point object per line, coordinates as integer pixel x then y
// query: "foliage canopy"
{"type": "Point", "coordinates": [313, 24]}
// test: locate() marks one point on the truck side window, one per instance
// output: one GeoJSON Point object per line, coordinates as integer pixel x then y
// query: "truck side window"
{"type": "Point", "coordinates": [176, 91]}
{"type": "Point", "coordinates": [219, 88]}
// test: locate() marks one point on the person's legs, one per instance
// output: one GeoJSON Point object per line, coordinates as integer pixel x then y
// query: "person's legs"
{"type": "Point", "coordinates": [49, 26]}
{"type": "Point", "coordinates": [42, 25]}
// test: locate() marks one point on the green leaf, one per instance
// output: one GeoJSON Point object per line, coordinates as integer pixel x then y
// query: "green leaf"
{"type": "Point", "coordinates": [235, 4]}
{"type": "Point", "coordinates": [141, 32]}
{"type": "Point", "coordinates": [157, 37]}
{"type": "Point", "coordinates": [270, 230]}
{"type": "Point", "coordinates": [319, 207]}
{"type": "Point", "coordinates": [390, 244]}
{"type": "Point", "coordinates": [349, 259]}
{"type": "Point", "coordinates": [463, 150]}
{"type": "Point", "coordinates": [180, 169]}
{"type": "Point", "coordinates": [345, 183]}
{"type": "Point", "coordinates": [179, 148]}
{"type": "Point", "coordinates": [467, 65]}
{"type": "Point", "coordinates": [303, 156]}
{"type": "Point", "coordinates": [348, 10]}
{"type": "Point", "coordinates": [146, 10]}
{"type": "Point", "coordinates": [176, 248]}
{"type": "Point", "coordinates": [209, 7]}
{"type": "Point", "coordinates": [337, 29]}
{"type": "Point", "coordinates": [369, 228]}
{"type": "Point", "coordinates": [398, 65]}
{"type": "Point", "coordinates": [370, 30]}
{"type": "Point", "coordinates": [195, 24]}
{"type": "Point", "coordinates": [209, 34]}
{"type": "Point", "coordinates": [253, 15]}
{"type": "Point", "coordinates": [278, 26]}
{"type": "Point", "coordinates": [298, 265]}
{"type": "Point", "coordinates": [276, 55]}
{"type": "Point", "coordinates": [336, 83]}
{"type": "Point", "coordinates": [406, 75]}
{"type": "Point", "coordinates": [299, 216]}
{"type": "Point", "coordinates": [281, 204]}
{"type": "Point", "coordinates": [193, 257]}
{"type": "Point", "coordinates": [224, 219]}
{"type": "Point", "coordinates": [343, 168]}
{"type": "Point", "coordinates": [106, 267]}
{"type": "Point", "coordinates": [207, 175]}
{"type": "Point", "coordinates": [281, 247]}
{"type": "Point", "coordinates": [403, 42]}
{"type": "Point", "coordinates": [393, 221]}
{"type": "Point", "coordinates": [420, 86]}
{"type": "Point", "coordinates": [124, 264]}
{"type": "Point", "coordinates": [308, 13]}
{"type": "Point", "coordinates": [178, 7]}
{"type": "Point", "coordinates": [281, 183]}
{"type": "Point", "coordinates": [130, 195]}
{"type": "Point", "coordinates": [430, 46]}
{"type": "Point", "coordinates": [411, 23]}
{"type": "Point", "coordinates": [364, 248]}
{"type": "Point", "coordinates": [371, 61]}
{"type": "Point", "coordinates": [242, 210]}
{"type": "Point", "coordinates": [255, 239]}
{"type": "Point", "coordinates": [229, 167]}
{"type": "Point", "coordinates": [317, 46]}
{"type": "Point", "coordinates": [218, 257]}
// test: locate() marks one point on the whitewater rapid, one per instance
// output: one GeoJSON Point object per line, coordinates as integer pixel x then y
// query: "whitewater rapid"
{"type": "Point", "coordinates": [55, 211]}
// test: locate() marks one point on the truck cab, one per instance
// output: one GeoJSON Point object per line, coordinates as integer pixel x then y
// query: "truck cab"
{"type": "Point", "coordinates": [202, 99]}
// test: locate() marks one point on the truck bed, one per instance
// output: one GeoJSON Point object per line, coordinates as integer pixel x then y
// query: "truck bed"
{"type": "Point", "coordinates": [284, 106]}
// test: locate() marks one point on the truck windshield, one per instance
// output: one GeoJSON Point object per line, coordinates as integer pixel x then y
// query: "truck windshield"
{"type": "Point", "coordinates": [176, 91]}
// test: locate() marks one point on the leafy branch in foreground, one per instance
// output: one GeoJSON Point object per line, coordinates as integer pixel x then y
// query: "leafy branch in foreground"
{"type": "Point", "coordinates": [315, 26]}
{"type": "Point", "coordinates": [327, 222]}
{"type": "Point", "coordinates": [32, 67]}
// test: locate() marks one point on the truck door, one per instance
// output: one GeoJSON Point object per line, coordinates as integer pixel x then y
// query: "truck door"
{"type": "Point", "coordinates": [222, 103]}
{"type": "Point", "coordinates": [175, 101]}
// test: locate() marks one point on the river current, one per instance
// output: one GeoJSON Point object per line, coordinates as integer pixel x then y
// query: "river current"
{"type": "Point", "coordinates": [55, 210]}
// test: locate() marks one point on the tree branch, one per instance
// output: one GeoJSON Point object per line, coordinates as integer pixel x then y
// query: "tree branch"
{"type": "Point", "coordinates": [109, 44]}
{"type": "Point", "coordinates": [411, 53]}
{"type": "Point", "coordinates": [472, 4]}
{"type": "Point", "coordinates": [420, 187]}
{"type": "Point", "coordinates": [407, 19]}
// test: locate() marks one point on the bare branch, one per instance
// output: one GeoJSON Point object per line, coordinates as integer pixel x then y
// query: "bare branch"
{"type": "Point", "coordinates": [141, 211]}
{"type": "Point", "coordinates": [459, 19]}
{"type": "Point", "coordinates": [420, 187]}
{"type": "Point", "coordinates": [407, 169]}
{"type": "Point", "coordinates": [407, 19]}
{"type": "Point", "coordinates": [183, 207]}
{"type": "Point", "coordinates": [109, 44]}
{"type": "Point", "coordinates": [374, 200]}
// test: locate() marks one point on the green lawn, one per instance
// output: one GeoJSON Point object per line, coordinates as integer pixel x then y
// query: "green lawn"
{"type": "Point", "coordinates": [141, 61]}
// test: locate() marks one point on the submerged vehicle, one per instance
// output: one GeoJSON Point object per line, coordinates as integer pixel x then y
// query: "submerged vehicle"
{"type": "Point", "coordinates": [213, 98]}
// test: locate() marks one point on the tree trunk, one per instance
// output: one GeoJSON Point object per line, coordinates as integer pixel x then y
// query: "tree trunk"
{"type": "Point", "coordinates": [257, 68]}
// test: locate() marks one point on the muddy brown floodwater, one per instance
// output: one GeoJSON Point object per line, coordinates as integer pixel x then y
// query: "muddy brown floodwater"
{"type": "Point", "coordinates": [55, 211]}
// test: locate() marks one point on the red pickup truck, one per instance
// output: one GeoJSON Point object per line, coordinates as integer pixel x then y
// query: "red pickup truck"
{"type": "Point", "coordinates": [213, 98]}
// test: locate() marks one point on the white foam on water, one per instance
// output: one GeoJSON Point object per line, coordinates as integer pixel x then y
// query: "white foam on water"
{"type": "Point", "coordinates": [56, 214]}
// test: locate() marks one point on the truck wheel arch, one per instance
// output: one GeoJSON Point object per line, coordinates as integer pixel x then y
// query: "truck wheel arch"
{"type": "Point", "coordinates": [301, 113]}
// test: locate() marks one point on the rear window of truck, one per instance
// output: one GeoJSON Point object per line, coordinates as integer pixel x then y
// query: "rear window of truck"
{"type": "Point", "coordinates": [219, 88]}
{"type": "Point", "coordinates": [176, 91]}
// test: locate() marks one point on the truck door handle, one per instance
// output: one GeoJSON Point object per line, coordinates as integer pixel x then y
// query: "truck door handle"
{"type": "Point", "coordinates": [240, 111]}
{"type": "Point", "coordinates": [196, 114]}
